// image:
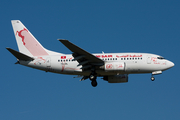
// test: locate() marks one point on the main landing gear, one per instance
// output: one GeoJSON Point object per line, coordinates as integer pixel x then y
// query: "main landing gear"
{"type": "Point", "coordinates": [94, 83]}
{"type": "Point", "coordinates": [93, 77]}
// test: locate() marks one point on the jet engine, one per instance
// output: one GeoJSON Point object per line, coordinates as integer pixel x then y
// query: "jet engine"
{"type": "Point", "coordinates": [116, 78]}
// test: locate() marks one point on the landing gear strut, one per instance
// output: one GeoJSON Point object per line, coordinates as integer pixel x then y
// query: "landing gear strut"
{"type": "Point", "coordinates": [92, 77]}
{"type": "Point", "coordinates": [155, 73]}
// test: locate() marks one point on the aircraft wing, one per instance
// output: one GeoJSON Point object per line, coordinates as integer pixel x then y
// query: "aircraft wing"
{"type": "Point", "coordinates": [84, 58]}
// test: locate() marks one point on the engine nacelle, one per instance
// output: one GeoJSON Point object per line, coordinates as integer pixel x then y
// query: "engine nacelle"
{"type": "Point", "coordinates": [116, 78]}
{"type": "Point", "coordinates": [110, 66]}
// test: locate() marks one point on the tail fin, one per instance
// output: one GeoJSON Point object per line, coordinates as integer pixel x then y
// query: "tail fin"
{"type": "Point", "coordinates": [27, 43]}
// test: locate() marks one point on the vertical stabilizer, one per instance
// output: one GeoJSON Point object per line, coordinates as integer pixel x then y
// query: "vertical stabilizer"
{"type": "Point", "coordinates": [26, 42]}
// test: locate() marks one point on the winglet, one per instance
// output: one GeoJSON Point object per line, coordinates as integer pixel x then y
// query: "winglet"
{"type": "Point", "coordinates": [20, 56]}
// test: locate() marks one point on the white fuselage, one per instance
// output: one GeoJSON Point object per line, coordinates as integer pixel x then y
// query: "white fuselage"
{"type": "Point", "coordinates": [113, 67]}
{"type": "Point", "coordinates": [132, 63]}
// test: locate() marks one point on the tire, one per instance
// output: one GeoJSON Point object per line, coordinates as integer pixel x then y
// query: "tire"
{"type": "Point", "coordinates": [94, 83]}
{"type": "Point", "coordinates": [152, 78]}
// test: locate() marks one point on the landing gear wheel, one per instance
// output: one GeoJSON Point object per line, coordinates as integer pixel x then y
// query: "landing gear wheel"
{"type": "Point", "coordinates": [152, 78]}
{"type": "Point", "coordinates": [93, 77]}
{"type": "Point", "coordinates": [94, 83]}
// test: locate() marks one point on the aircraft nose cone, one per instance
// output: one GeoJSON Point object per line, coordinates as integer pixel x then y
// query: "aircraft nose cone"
{"type": "Point", "coordinates": [170, 64]}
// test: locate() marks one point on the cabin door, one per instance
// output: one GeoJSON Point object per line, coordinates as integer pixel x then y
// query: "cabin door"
{"type": "Point", "coordinates": [148, 59]}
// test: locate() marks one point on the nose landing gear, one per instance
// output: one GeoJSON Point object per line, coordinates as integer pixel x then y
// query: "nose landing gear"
{"type": "Point", "coordinates": [152, 78]}
{"type": "Point", "coordinates": [155, 73]}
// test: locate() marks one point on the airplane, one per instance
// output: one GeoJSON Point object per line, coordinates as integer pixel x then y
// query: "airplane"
{"type": "Point", "coordinates": [112, 67]}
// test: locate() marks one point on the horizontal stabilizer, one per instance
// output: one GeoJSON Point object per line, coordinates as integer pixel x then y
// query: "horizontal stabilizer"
{"type": "Point", "coordinates": [20, 56]}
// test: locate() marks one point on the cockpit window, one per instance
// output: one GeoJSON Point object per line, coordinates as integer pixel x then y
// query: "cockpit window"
{"type": "Point", "coordinates": [161, 58]}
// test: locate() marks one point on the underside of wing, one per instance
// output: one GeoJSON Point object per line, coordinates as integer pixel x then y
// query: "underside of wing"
{"type": "Point", "coordinates": [84, 58]}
